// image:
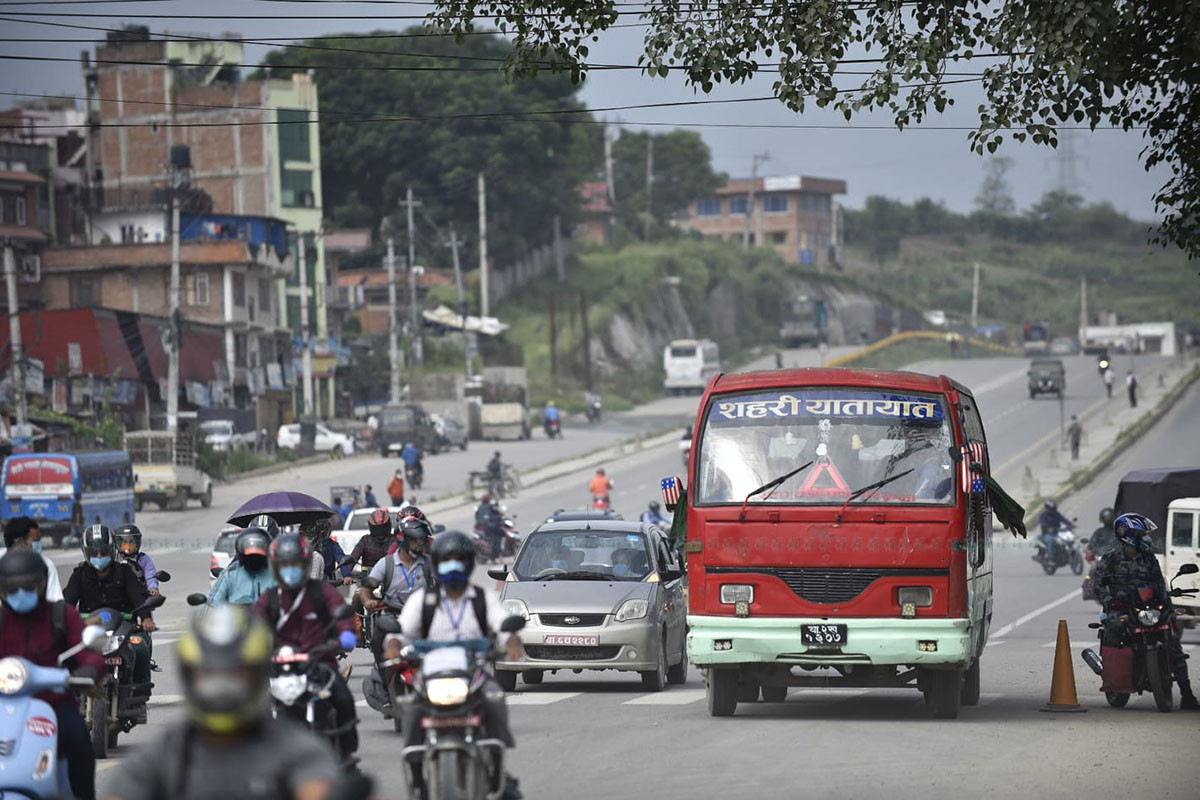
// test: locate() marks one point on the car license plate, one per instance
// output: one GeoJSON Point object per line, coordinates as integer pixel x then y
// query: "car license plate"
{"type": "Point", "coordinates": [571, 640]}
{"type": "Point", "coordinates": [823, 635]}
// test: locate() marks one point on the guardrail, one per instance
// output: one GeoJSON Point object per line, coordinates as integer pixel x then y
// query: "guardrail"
{"type": "Point", "coordinates": [904, 336]}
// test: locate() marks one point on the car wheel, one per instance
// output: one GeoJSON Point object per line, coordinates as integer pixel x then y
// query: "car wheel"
{"type": "Point", "coordinates": [337, 452]}
{"type": "Point", "coordinates": [677, 674]}
{"type": "Point", "coordinates": [655, 680]}
{"type": "Point", "coordinates": [507, 680]}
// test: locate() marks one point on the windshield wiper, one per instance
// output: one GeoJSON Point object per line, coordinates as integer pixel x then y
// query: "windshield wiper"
{"type": "Point", "coordinates": [871, 488]}
{"type": "Point", "coordinates": [771, 485]}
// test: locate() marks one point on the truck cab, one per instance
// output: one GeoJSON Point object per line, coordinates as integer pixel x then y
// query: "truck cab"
{"type": "Point", "coordinates": [1183, 547]}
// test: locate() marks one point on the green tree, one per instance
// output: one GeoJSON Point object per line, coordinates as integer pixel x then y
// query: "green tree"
{"type": "Point", "coordinates": [426, 113]}
{"type": "Point", "coordinates": [1129, 64]}
{"type": "Point", "coordinates": [682, 172]}
{"type": "Point", "coordinates": [879, 227]}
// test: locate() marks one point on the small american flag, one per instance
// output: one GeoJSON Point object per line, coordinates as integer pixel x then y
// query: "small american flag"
{"type": "Point", "coordinates": [972, 482]}
{"type": "Point", "coordinates": [671, 487]}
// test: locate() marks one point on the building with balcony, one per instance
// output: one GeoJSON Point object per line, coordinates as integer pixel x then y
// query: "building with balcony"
{"type": "Point", "coordinates": [796, 215]}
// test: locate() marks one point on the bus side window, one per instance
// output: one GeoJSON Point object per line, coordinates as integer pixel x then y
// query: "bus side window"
{"type": "Point", "coordinates": [978, 510]}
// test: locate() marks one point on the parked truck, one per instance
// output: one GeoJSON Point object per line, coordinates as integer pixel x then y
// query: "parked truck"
{"type": "Point", "coordinates": [503, 403]}
{"type": "Point", "coordinates": [165, 470]}
{"type": "Point", "coordinates": [802, 321]}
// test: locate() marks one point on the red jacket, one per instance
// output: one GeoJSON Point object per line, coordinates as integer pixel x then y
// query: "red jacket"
{"type": "Point", "coordinates": [305, 628]}
{"type": "Point", "coordinates": [31, 636]}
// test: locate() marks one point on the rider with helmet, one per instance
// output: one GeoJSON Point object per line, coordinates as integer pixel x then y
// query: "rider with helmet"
{"type": "Point", "coordinates": [129, 545]}
{"type": "Point", "coordinates": [267, 523]}
{"type": "Point", "coordinates": [653, 515]}
{"type": "Point", "coordinates": [228, 745]}
{"type": "Point", "coordinates": [407, 569]}
{"type": "Point", "coordinates": [489, 521]}
{"type": "Point", "coordinates": [1132, 564]}
{"type": "Point", "coordinates": [374, 546]}
{"type": "Point", "coordinates": [456, 609]}
{"type": "Point", "coordinates": [299, 610]}
{"type": "Point", "coordinates": [1102, 538]}
{"type": "Point", "coordinates": [1050, 520]}
{"type": "Point", "coordinates": [323, 545]}
{"type": "Point", "coordinates": [38, 629]}
{"type": "Point", "coordinates": [248, 575]}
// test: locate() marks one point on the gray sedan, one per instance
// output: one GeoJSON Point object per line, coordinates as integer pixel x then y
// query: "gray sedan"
{"type": "Point", "coordinates": [605, 594]}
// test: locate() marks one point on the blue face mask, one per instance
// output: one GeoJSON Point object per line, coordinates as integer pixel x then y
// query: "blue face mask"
{"type": "Point", "coordinates": [36, 546]}
{"type": "Point", "coordinates": [22, 601]}
{"type": "Point", "coordinates": [452, 573]}
{"type": "Point", "coordinates": [620, 570]}
{"type": "Point", "coordinates": [291, 576]}
{"type": "Point", "coordinates": [100, 562]}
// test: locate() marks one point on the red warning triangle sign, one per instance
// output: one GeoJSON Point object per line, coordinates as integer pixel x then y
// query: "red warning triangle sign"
{"type": "Point", "coordinates": [830, 479]}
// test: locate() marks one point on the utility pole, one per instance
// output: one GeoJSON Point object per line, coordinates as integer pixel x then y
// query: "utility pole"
{"type": "Point", "coordinates": [975, 299]}
{"type": "Point", "coordinates": [173, 316]}
{"type": "Point", "coordinates": [393, 333]}
{"type": "Point", "coordinates": [587, 340]}
{"type": "Point", "coordinates": [608, 166]}
{"type": "Point", "coordinates": [553, 335]}
{"type": "Point", "coordinates": [751, 211]}
{"type": "Point", "coordinates": [462, 301]}
{"type": "Point", "coordinates": [483, 263]}
{"type": "Point", "coordinates": [1083, 308]}
{"type": "Point", "coordinates": [305, 339]}
{"type": "Point", "coordinates": [14, 332]}
{"type": "Point", "coordinates": [417, 345]}
{"type": "Point", "coordinates": [649, 185]}
{"type": "Point", "coordinates": [559, 267]}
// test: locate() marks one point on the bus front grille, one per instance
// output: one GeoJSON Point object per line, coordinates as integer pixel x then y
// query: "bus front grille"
{"type": "Point", "coordinates": [826, 585]}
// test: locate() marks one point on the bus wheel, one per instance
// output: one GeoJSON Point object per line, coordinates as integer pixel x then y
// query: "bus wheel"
{"type": "Point", "coordinates": [748, 691]}
{"type": "Point", "coordinates": [945, 689]}
{"type": "Point", "coordinates": [970, 686]}
{"type": "Point", "coordinates": [721, 692]}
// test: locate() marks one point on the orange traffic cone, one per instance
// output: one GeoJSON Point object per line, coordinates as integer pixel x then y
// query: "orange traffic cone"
{"type": "Point", "coordinates": [1062, 684]}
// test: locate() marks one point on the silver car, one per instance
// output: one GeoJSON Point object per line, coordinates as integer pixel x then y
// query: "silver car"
{"type": "Point", "coordinates": [599, 594]}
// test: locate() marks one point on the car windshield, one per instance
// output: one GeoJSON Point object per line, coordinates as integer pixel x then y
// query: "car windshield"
{"type": "Point", "coordinates": [217, 426]}
{"type": "Point", "coordinates": [358, 522]}
{"type": "Point", "coordinates": [396, 417]}
{"type": "Point", "coordinates": [226, 542]}
{"type": "Point", "coordinates": [683, 352]}
{"type": "Point", "coordinates": [853, 437]}
{"type": "Point", "coordinates": [584, 555]}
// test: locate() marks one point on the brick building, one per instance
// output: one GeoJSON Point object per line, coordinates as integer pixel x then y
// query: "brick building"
{"type": "Point", "coordinates": [796, 215]}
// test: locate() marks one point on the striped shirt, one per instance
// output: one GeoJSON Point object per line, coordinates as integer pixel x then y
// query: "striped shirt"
{"type": "Point", "coordinates": [454, 619]}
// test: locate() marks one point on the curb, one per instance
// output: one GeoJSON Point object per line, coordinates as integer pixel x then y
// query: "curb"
{"type": "Point", "coordinates": [271, 469]}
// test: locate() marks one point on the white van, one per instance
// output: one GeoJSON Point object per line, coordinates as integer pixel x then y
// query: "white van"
{"type": "Point", "coordinates": [689, 364]}
{"type": "Point", "coordinates": [1183, 547]}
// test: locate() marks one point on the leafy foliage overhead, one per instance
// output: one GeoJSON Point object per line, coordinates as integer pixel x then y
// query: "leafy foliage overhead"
{"type": "Point", "coordinates": [1133, 64]}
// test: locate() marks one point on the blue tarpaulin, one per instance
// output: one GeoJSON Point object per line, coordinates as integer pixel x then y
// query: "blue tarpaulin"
{"type": "Point", "coordinates": [254, 231]}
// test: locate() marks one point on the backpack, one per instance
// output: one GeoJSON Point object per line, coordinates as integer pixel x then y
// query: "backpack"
{"type": "Point", "coordinates": [58, 621]}
{"type": "Point", "coordinates": [312, 587]}
{"type": "Point", "coordinates": [434, 598]}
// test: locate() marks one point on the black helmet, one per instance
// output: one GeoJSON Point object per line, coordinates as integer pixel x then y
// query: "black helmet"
{"type": "Point", "coordinates": [291, 550]}
{"type": "Point", "coordinates": [22, 568]}
{"type": "Point", "coordinates": [316, 530]}
{"type": "Point", "coordinates": [453, 546]}
{"type": "Point", "coordinates": [654, 506]}
{"type": "Point", "coordinates": [1051, 505]}
{"type": "Point", "coordinates": [267, 523]}
{"type": "Point", "coordinates": [415, 531]}
{"type": "Point", "coordinates": [129, 533]}
{"type": "Point", "coordinates": [379, 524]}
{"type": "Point", "coordinates": [226, 658]}
{"type": "Point", "coordinates": [1107, 515]}
{"type": "Point", "coordinates": [97, 541]}
{"type": "Point", "coordinates": [252, 546]}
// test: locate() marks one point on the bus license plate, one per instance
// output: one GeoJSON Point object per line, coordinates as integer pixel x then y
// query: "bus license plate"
{"type": "Point", "coordinates": [823, 635]}
{"type": "Point", "coordinates": [571, 640]}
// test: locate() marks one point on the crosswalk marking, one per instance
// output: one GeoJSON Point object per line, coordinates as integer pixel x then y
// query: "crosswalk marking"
{"type": "Point", "coordinates": [539, 698]}
{"type": "Point", "coordinates": [671, 697]}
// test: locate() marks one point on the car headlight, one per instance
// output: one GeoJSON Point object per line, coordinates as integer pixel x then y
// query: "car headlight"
{"type": "Point", "coordinates": [732, 593]}
{"type": "Point", "coordinates": [516, 608]}
{"type": "Point", "coordinates": [113, 644]}
{"type": "Point", "coordinates": [447, 691]}
{"type": "Point", "coordinates": [12, 676]}
{"type": "Point", "coordinates": [1149, 616]}
{"type": "Point", "coordinates": [632, 609]}
{"type": "Point", "coordinates": [288, 688]}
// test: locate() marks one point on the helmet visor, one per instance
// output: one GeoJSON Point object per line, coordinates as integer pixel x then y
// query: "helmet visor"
{"type": "Point", "coordinates": [97, 548]}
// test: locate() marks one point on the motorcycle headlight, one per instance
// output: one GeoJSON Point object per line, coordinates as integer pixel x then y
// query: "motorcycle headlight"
{"type": "Point", "coordinates": [113, 644]}
{"type": "Point", "coordinates": [1066, 537]}
{"type": "Point", "coordinates": [1149, 616]}
{"type": "Point", "coordinates": [632, 609]}
{"type": "Point", "coordinates": [447, 691]}
{"type": "Point", "coordinates": [12, 676]}
{"type": "Point", "coordinates": [287, 689]}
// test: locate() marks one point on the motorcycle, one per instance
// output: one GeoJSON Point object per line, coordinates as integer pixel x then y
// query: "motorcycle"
{"type": "Point", "coordinates": [414, 475]}
{"type": "Point", "coordinates": [553, 428]}
{"type": "Point", "coordinates": [29, 726]}
{"type": "Point", "coordinates": [485, 543]}
{"type": "Point", "coordinates": [301, 685]}
{"type": "Point", "coordinates": [1141, 623]}
{"type": "Point", "coordinates": [593, 411]}
{"type": "Point", "coordinates": [115, 712]}
{"type": "Point", "coordinates": [449, 690]}
{"type": "Point", "coordinates": [1068, 551]}
{"type": "Point", "coordinates": [390, 679]}
{"type": "Point", "coordinates": [601, 503]}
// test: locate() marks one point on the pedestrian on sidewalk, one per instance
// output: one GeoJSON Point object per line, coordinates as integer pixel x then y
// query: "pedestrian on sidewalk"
{"type": "Point", "coordinates": [1109, 379]}
{"type": "Point", "coordinates": [1074, 435]}
{"type": "Point", "coordinates": [1131, 384]}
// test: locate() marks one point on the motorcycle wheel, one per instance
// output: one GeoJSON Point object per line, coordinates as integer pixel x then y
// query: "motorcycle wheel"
{"type": "Point", "coordinates": [1049, 568]}
{"type": "Point", "coordinates": [449, 776]}
{"type": "Point", "coordinates": [1160, 680]}
{"type": "Point", "coordinates": [97, 720]}
{"type": "Point", "coordinates": [1076, 562]}
{"type": "Point", "coordinates": [1117, 699]}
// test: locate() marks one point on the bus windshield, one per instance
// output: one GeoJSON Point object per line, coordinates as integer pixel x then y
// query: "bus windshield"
{"type": "Point", "coordinates": [854, 438]}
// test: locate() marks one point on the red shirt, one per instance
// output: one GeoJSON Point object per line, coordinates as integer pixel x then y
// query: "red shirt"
{"type": "Point", "coordinates": [31, 636]}
{"type": "Point", "coordinates": [305, 627]}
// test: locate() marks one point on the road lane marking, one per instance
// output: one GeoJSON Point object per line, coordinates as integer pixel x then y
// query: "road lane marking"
{"type": "Point", "coordinates": [165, 699]}
{"type": "Point", "coordinates": [671, 697]}
{"type": "Point", "coordinates": [1093, 643]}
{"type": "Point", "coordinates": [1037, 612]}
{"type": "Point", "coordinates": [997, 382]}
{"type": "Point", "coordinates": [994, 642]}
{"type": "Point", "coordinates": [539, 698]}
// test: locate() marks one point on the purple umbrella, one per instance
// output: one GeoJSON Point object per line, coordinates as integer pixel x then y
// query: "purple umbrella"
{"type": "Point", "coordinates": [288, 508]}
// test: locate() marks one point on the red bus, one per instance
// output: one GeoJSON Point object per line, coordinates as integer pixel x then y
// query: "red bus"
{"type": "Point", "coordinates": [838, 533]}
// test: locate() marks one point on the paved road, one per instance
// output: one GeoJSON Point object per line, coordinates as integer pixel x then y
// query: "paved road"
{"type": "Point", "coordinates": [600, 735]}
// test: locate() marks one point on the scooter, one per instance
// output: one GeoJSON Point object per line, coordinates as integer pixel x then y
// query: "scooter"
{"type": "Point", "coordinates": [117, 712]}
{"type": "Point", "coordinates": [457, 759]}
{"type": "Point", "coordinates": [1068, 551]}
{"type": "Point", "coordinates": [553, 428]}
{"type": "Point", "coordinates": [414, 475]}
{"type": "Point", "coordinates": [593, 411]}
{"type": "Point", "coordinates": [1140, 623]}
{"type": "Point", "coordinates": [29, 763]}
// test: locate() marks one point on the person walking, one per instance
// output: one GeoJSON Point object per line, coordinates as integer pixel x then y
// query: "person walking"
{"type": "Point", "coordinates": [1131, 383]}
{"type": "Point", "coordinates": [1074, 435]}
{"type": "Point", "coordinates": [1110, 378]}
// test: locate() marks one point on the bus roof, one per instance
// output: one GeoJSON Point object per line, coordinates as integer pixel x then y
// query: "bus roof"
{"type": "Point", "coordinates": [834, 376]}
{"type": "Point", "coordinates": [102, 456]}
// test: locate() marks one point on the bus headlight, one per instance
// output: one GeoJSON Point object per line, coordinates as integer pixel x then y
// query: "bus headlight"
{"type": "Point", "coordinates": [919, 596]}
{"type": "Point", "coordinates": [733, 593]}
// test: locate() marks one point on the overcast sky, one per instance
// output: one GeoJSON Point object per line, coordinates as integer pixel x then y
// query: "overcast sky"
{"type": "Point", "coordinates": [905, 165]}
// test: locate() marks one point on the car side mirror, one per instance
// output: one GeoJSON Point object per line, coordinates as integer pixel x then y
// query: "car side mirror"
{"type": "Point", "coordinates": [498, 573]}
{"type": "Point", "coordinates": [1187, 569]}
{"type": "Point", "coordinates": [386, 623]}
{"type": "Point", "coordinates": [196, 599]}
{"type": "Point", "coordinates": [163, 576]}
{"type": "Point", "coordinates": [512, 624]}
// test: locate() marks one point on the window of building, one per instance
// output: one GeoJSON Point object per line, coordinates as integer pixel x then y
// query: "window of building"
{"type": "Point", "coordinates": [823, 205]}
{"type": "Point", "coordinates": [296, 188]}
{"type": "Point", "coordinates": [21, 218]}
{"type": "Point", "coordinates": [239, 290]}
{"type": "Point", "coordinates": [778, 237]}
{"type": "Point", "coordinates": [202, 297]}
{"type": "Point", "coordinates": [293, 135]}
{"type": "Point", "coordinates": [85, 292]}
{"type": "Point", "coordinates": [738, 205]}
{"type": "Point", "coordinates": [264, 294]}
{"type": "Point", "coordinates": [708, 207]}
{"type": "Point", "coordinates": [775, 203]}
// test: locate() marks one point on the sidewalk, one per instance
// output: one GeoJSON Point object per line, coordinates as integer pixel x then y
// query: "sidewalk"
{"type": "Point", "coordinates": [1109, 425]}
